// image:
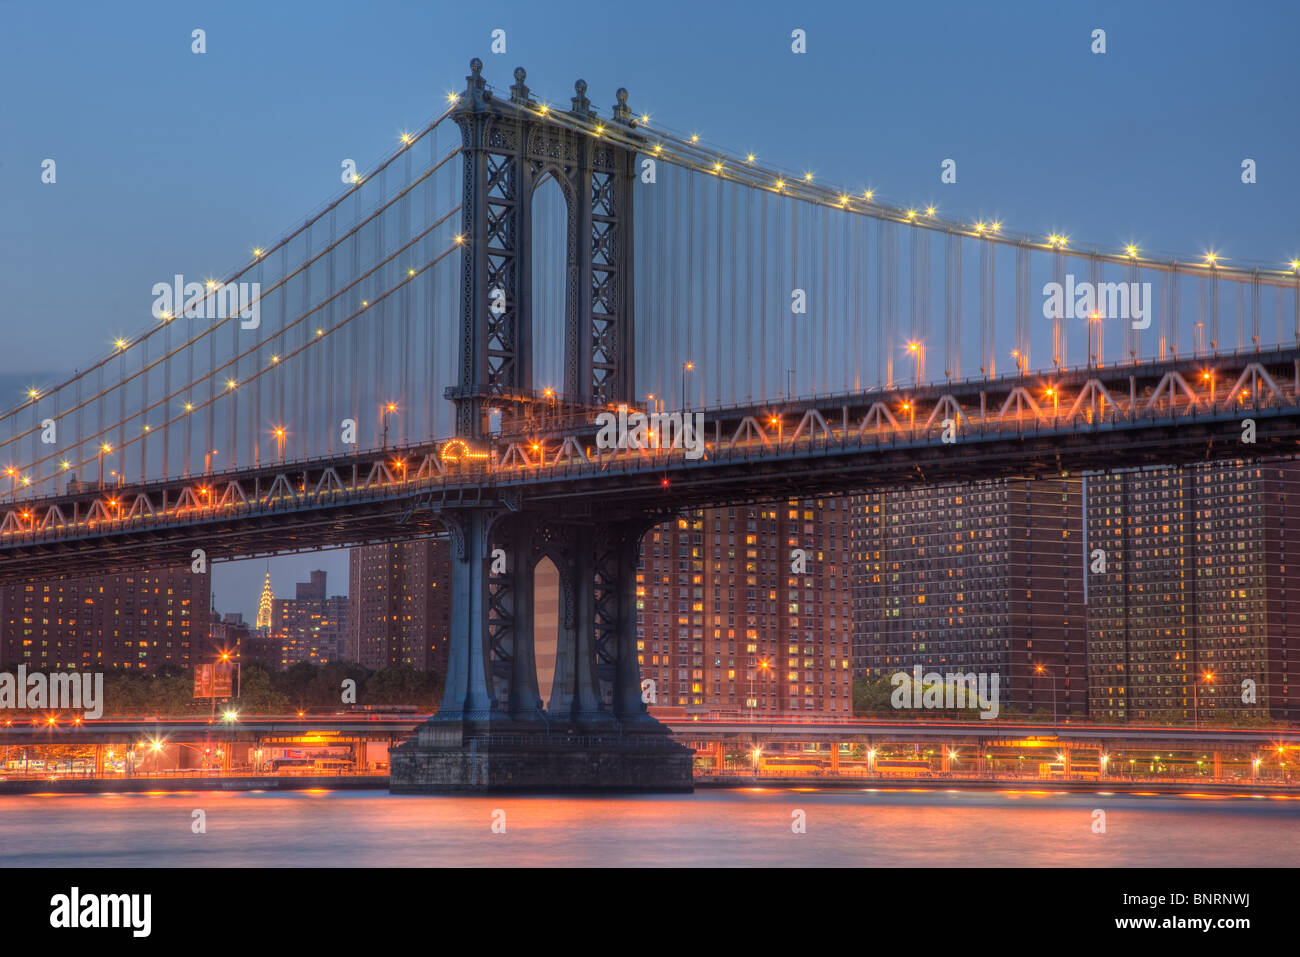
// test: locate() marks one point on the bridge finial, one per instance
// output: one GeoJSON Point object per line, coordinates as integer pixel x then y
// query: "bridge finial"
{"type": "Point", "coordinates": [621, 111]}
{"type": "Point", "coordinates": [582, 105]}
{"type": "Point", "coordinates": [519, 91]}
{"type": "Point", "coordinates": [475, 85]}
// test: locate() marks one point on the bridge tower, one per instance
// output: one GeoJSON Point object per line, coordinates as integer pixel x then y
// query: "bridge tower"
{"type": "Point", "coordinates": [509, 148]}
{"type": "Point", "coordinates": [492, 730]}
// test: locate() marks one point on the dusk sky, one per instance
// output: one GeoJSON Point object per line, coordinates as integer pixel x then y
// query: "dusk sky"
{"type": "Point", "coordinates": [174, 162]}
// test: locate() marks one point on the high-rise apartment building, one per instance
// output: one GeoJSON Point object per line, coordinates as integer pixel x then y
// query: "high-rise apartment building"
{"type": "Point", "coordinates": [1194, 592]}
{"type": "Point", "coordinates": [746, 610]}
{"type": "Point", "coordinates": [131, 621]}
{"type": "Point", "coordinates": [976, 578]}
{"type": "Point", "coordinates": [310, 626]}
{"type": "Point", "coordinates": [400, 599]}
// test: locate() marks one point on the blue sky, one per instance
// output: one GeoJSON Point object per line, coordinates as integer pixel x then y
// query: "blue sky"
{"type": "Point", "coordinates": [170, 161]}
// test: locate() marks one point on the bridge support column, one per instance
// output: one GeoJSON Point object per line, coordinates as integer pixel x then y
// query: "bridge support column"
{"type": "Point", "coordinates": [491, 733]}
{"type": "Point", "coordinates": [1218, 765]}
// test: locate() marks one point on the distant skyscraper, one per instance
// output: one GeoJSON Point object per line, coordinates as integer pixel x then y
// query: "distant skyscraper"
{"type": "Point", "coordinates": [264, 604]}
{"type": "Point", "coordinates": [310, 626]}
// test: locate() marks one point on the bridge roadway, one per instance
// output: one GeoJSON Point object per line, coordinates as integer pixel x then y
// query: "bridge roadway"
{"type": "Point", "coordinates": [17, 731]}
{"type": "Point", "coordinates": [1161, 413]}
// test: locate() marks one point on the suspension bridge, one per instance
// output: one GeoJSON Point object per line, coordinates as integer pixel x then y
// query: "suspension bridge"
{"type": "Point", "coordinates": [433, 350]}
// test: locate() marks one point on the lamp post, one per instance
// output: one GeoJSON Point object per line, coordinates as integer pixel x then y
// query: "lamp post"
{"type": "Point", "coordinates": [1196, 709]}
{"type": "Point", "coordinates": [1043, 671]}
{"type": "Point", "coordinates": [103, 450]}
{"type": "Point", "coordinates": [915, 349]}
{"type": "Point", "coordinates": [686, 367]}
{"type": "Point", "coordinates": [765, 665]}
{"type": "Point", "coordinates": [384, 412]}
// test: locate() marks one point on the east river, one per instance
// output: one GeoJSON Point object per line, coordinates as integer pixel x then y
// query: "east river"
{"type": "Point", "coordinates": [742, 828]}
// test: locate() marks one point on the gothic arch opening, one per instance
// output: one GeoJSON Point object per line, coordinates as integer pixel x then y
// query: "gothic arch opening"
{"type": "Point", "coordinates": [550, 240]}
{"type": "Point", "coordinates": [546, 625]}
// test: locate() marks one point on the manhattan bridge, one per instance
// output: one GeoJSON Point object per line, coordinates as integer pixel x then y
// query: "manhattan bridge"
{"type": "Point", "coordinates": [427, 354]}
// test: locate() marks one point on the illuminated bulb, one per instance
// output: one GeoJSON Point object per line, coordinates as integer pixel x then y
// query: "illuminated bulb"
{"type": "Point", "coordinates": [452, 97]}
{"type": "Point", "coordinates": [275, 359]}
{"type": "Point", "coordinates": [364, 303]}
{"type": "Point", "coordinates": [717, 167]}
{"type": "Point", "coordinates": [929, 210]}
{"type": "Point", "coordinates": [658, 147]}
{"type": "Point", "coordinates": [844, 201]}
{"type": "Point", "coordinates": [1131, 250]}
{"type": "Point", "coordinates": [230, 383]}
{"type": "Point", "coordinates": [460, 239]}
{"type": "Point", "coordinates": [1295, 264]}
{"type": "Point", "coordinates": [1211, 257]}
{"type": "Point", "coordinates": [66, 465]}
{"type": "Point", "coordinates": [599, 129]}
{"type": "Point", "coordinates": [410, 272]}
{"type": "Point", "coordinates": [995, 226]}
{"type": "Point", "coordinates": [695, 137]}
{"type": "Point", "coordinates": [808, 177]}
{"type": "Point", "coordinates": [749, 158]}
{"type": "Point", "coordinates": [406, 137]}
{"type": "Point", "coordinates": [544, 109]}
{"type": "Point", "coordinates": [189, 407]}
{"type": "Point", "coordinates": [979, 227]}
{"type": "Point", "coordinates": [645, 118]}
{"type": "Point", "coordinates": [257, 252]}
{"type": "Point", "coordinates": [911, 214]}
{"type": "Point", "coordinates": [120, 343]}
{"type": "Point", "coordinates": [780, 184]}
{"type": "Point", "coordinates": [320, 332]}
{"type": "Point", "coordinates": [211, 283]}
{"type": "Point", "coordinates": [33, 393]}
{"type": "Point", "coordinates": [106, 448]}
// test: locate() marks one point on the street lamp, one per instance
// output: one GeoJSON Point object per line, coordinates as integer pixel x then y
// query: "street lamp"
{"type": "Point", "coordinates": [1043, 671]}
{"type": "Point", "coordinates": [1196, 711]}
{"type": "Point", "coordinates": [686, 367]}
{"type": "Point", "coordinates": [103, 450]}
{"type": "Point", "coordinates": [765, 665]}
{"type": "Point", "coordinates": [279, 439]}
{"type": "Point", "coordinates": [915, 349]}
{"type": "Point", "coordinates": [384, 411]}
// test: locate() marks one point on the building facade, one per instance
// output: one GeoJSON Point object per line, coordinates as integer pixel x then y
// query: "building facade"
{"type": "Point", "coordinates": [310, 626]}
{"type": "Point", "coordinates": [746, 610]}
{"type": "Point", "coordinates": [1193, 591]}
{"type": "Point", "coordinates": [982, 578]}
{"type": "Point", "coordinates": [400, 600]}
{"type": "Point", "coordinates": [133, 621]}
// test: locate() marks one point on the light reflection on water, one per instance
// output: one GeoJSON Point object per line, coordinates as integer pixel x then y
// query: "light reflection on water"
{"type": "Point", "coordinates": [742, 828]}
